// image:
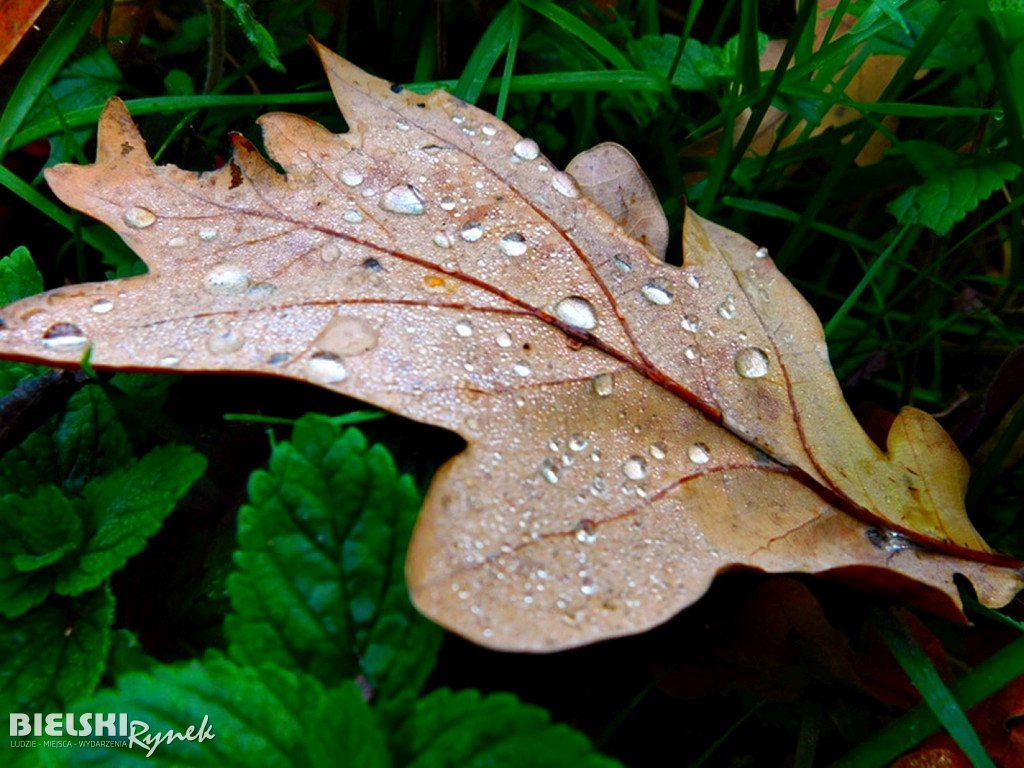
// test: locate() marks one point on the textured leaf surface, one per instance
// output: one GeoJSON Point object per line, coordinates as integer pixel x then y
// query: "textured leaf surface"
{"type": "Point", "coordinates": [633, 428]}
{"type": "Point", "coordinates": [319, 587]}
{"type": "Point", "coordinates": [498, 731]}
{"type": "Point", "coordinates": [54, 654]}
{"type": "Point", "coordinates": [953, 186]}
{"type": "Point", "coordinates": [267, 717]}
{"type": "Point", "coordinates": [52, 542]}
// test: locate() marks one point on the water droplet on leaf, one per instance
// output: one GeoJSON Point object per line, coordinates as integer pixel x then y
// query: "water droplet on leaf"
{"type": "Point", "coordinates": [513, 244]}
{"type": "Point", "coordinates": [404, 199]}
{"type": "Point", "coordinates": [472, 232]}
{"type": "Point", "coordinates": [65, 337]}
{"type": "Point", "coordinates": [603, 384]}
{"type": "Point", "coordinates": [752, 363]}
{"type": "Point", "coordinates": [526, 149]}
{"type": "Point", "coordinates": [656, 294]}
{"type": "Point", "coordinates": [576, 311]}
{"type": "Point", "coordinates": [699, 453]}
{"type": "Point", "coordinates": [139, 218]}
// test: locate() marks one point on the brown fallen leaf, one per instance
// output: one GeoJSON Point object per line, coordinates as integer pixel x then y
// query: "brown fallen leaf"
{"type": "Point", "coordinates": [633, 428]}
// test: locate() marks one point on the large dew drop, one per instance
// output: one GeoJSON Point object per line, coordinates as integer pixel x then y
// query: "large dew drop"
{"type": "Point", "coordinates": [699, 453]}
{"type": "Point", "coordinates": [101, 306]}
{"type": "Point", "coordinates": [347, 335]}
{"type": "Point", "coordinates": [405, 199]}
{"type": "Point", "coordinates": [656, 294]}
{"type": "Point", "coordinates": [225, 342]}
{"type": "Point", "coordinates": [513, 244]}
{"type": "Point", "coordinates": [526, 149]}
{"type": "Point", "coordinates": [635, 468]}
{"type": "Point", "coordinates": [577, 312]}
{"type": "Point", "coordinates": [351, 178]}
{"type": "Point", "coordinates": [549, 470]}
{"type": "Point", "coordinates": [65, 337]}
{"type": "Point", "coordinates": [586, 531]}
{"type": "Point", "coordinates": [752, 363]}
{"type": "Point", "coordinates": [472, 232]}
{"type": "Point", "coordinates": [227, 280]}
{"type": "Point", "coordinates": [565, 185]}
{"type": "Point", "coordinates": [139, 218]}
{"type": "Point", "coordinates": [603, 384]}
{"type": "Point", "coordinates": [326, 368]}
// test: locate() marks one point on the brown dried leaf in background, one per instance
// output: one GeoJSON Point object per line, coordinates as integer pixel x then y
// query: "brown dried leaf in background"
{"type": "Point", "coordinates": [633, 427]}
{"type": "Point", "coordinates": [16, 19]}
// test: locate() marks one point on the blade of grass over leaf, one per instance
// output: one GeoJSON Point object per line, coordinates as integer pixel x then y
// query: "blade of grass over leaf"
{"type": "Point", "coordinates": [59, 45]}
{"type": "Point", "coordinates": [600, 80]}
{"type": "Point", "coordinates": [981, 682]}
{"type": "Point", "coordinates": [926, 680]}
{"type": "Point", "coordinates": [758, 111]}
{"type": "Point", "coordinates": [355, 417]}
{"type": "Point", "coordinates": [491, 45]}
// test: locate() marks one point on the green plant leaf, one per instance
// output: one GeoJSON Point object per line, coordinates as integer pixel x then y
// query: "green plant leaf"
{"type": "Point", "coordinates": [266, 717]}
{"type": "Point", "coordinates": [320, 585]}
{"type": "Point", "coordinates": [18, 276]}
{"type": "Point", "coordinates": [124, 508]}
{"type": "Point", "coordinates": [50, 542]}
{"type": "Point", "coordinates": [85, 442]}
{"type": "Point", "coordinates": [87, 81]}
{"type": "Point", "coordinates": [256, 33]}
{"type": "Point", "coordinates": [35, 532]}
{"type": "Point", "coordinates": [701, 67]}
{"type": "Point", "coordinates": [954, 185]}
{"type": "Point", "coordinates": [467, 729]}
{"type": "Point", "coordinates": [54, 654]}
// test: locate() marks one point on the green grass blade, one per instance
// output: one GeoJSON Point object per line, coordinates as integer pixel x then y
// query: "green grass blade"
{"type": "Point", "coordinates": [748, 64]}
{"type": "Point", "coordinates": [759, 110]}
{"type": "Point", "coordinates": [926, 680]}
{"type": "Point", "coordinates": [510, 62]}
{"type": "Point", "coordinates": [848, 153]}
{"type": "Point", "coordinates": [920, 723]}
{"type": "Point", "coordinates": [865, 281]}
{"type": "Point", "coordinates": [580, 30]}
{"type": "Point", "coordinates": [485, 55]}
{"type": "Point", "coordinates": [984, 477]}
{"type": "Point", "coordinates": [60, 44]}
{"type": "Point", "coordinates": [1006, 80]}
{"type": "Point", "coordinates": [25, 191]}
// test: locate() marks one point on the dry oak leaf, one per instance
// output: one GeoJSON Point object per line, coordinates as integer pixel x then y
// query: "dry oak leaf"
{"type": "Point", "coordinates": [633, 427]}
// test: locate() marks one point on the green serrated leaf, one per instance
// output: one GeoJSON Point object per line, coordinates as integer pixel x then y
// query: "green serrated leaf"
{"type": "Point", "coordinates": [320, 585]}
{"type": "Point", "coordinates": [35, 532]}
{"type": "Point", "coordinates": [950, 194]}
{"type": "Point", "coordinates": [498, 731]}
{"type": "Point", "coordinates": [18, 276]}
{"type": "Point", "coordinates": [85, 442]}
{"type": "Point", "coordinates": [268, 717]}
{"type": "Point", "coordinates": [125, 655]}
{"type": "Point", "coordinates": [124, 508]}
{"type": "Point", "coordinates": [701, 67]}
{"type": "Point", "coordinates": [54, 654]}
{"type": "Point", "coordinates": [256, 33]}
{"type": "Point", "coordinates": [87, 81]}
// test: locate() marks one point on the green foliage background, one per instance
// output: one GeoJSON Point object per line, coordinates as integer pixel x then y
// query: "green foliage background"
{"type": "Point", "coordinates": [272, 599]}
